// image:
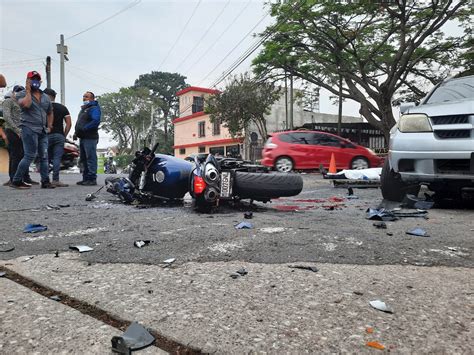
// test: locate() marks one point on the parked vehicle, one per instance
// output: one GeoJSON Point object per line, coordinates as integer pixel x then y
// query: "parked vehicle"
{"type": "Point", "coordinates": [70, 155]}
{"type": "Point", "coordinates": [433, 144]}
{"type": "Point", "coordinates": [219, 179]}
{"type": "Point", "coordinates": [286, 151]}
{"type": "Point", "coordinates": [110, 166]}
{"type": "Point", "coordinates": [209, 181]}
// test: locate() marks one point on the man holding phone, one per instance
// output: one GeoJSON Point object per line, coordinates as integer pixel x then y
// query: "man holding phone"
{"type": "Point", "coordinates": [36, 121]}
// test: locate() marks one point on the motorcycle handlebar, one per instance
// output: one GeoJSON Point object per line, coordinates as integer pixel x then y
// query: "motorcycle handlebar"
{"type": "Point", "coordinates": [155, 147]}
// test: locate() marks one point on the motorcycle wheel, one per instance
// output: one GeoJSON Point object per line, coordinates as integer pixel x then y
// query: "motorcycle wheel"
{"type": "Point", "coordinates": [265, 186]}
{"type": "Point", "coordinates": [200, 205]}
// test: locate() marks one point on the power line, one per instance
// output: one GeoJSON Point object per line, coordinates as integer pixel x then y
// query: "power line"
{"type": "Point", "coordinates": [235, 47]}
{"type": "Point", "coordinates": [203, 36]}
{"type": "Point", "coordinates": [88, 81]}
{"type": "Point", "coordinates": [181, 33]}
{"type": "Point", "coordinates": [254, 47]}
{"type": "Point", "coordinates": [97, 75]}
{"type": "Point", "coordinates": [129, 6]}
{"type": "Point", "coordinates": [218, 38]}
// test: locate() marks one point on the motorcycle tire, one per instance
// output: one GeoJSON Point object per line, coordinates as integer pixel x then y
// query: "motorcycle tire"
{"type": "Point", "coordinates": [265, 186]}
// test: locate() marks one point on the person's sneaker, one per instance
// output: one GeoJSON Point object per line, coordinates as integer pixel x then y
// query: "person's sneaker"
{"type": "Point", "coordinates": [80, 182]}
{"type": "Point", "coordinates": [31, 182]}
{"type": "Point", "coordinates": [8, 183]}
{"type": "Point", "coordinates": [20, 185]}
{"type": "Point", "coordinates": [90, 183]}
{"type": "Point", "coordinates": [47, 185]}
{"type": "Point", "coordinates": [59, 184]}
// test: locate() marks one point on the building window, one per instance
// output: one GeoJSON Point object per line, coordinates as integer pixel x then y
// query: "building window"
{"type": "Point", "coordinates": [216, 151]}
{"type": "Point", "coordinates": [182, 151]}
{"type": "Point", "coordinates": [198, 104]}
{"type": "Point", "coordinates": [201, 129]}
{"type": "Point", "coordinates": [216, 127]}
{"type": "Point", "coordinates": [233, 151]}
{"type": "Point", "coordinates": [202, 149]}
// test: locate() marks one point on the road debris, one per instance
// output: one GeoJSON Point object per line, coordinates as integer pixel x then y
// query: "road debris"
{"type": "Point", "coordinates": [412, 201]}
{"type": "Point", "coordinates": [369, 330]}
{"type": "Point", "coordinates": [244, 225]}
{"type": "Point", "coordinates": [380, 214]}
{"type": "Point", "coordinates": [5, 248]}
{"type": "Point", "coordinates": [248, 215]}
{"type": "Point", "coordinates": [81, 248]}
{"type": "Point", "coordinates": [55, 298]}
{"type": "Point", "coordinates": [2, 274]}
{"type": "Point", "coordinates": [381, 306]}
{"type": "Point", "coordinates": [358, 293]}
{"type": "Point", "coordinates": [93, 196]}
{"type": "Point", "coordinates": [304, 267]}
{"type": "Point", "coordinates": [168, 262]}
{"type": "Point", "coordinates": [141, 243]}
{"type": "Point", "coordinates": [375, 345]}
{"type": "Point", "coordinates": [242, 271]}
{"type": "Point", "coordinates": [28, 258]}
{"type": "Point", "coordinates": [34, 228]}
{"type": "Point", "coordinates": [380, 225]}
{"type": "Point", "coordinates": [134, 338]}
{"type": "Point", "coordinates": [418, 232]}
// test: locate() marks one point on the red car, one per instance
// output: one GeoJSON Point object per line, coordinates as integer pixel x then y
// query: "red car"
{"type": "Point", "coordinates": [299, 150]}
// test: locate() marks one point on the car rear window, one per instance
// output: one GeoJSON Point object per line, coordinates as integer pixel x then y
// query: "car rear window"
{"type": "Point", "coordinates": [297, 137]}
{"type": "Point", "coordinates": [453, 90]}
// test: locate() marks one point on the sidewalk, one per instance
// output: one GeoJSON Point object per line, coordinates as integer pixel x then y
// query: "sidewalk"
{"type": "Point", "coordinates": [272, 309]}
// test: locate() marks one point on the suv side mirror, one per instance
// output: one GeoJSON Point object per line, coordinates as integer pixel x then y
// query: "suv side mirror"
{"type": "Point", "coordinates": [404, 106]}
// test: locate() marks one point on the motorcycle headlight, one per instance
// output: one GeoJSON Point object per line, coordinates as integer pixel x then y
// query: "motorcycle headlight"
{"type": "Point", "coordinates": [414, 123]}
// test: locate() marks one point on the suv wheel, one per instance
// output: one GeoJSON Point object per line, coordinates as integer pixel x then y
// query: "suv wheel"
{"type": "Point", "coordinates": [284, 165]}
{"type": "Point", "coordinates": [393, 188]}
{"type": "Point", "coordinates": [359, 163]}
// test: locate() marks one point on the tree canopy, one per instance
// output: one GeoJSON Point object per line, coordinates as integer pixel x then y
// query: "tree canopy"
{"type": "Point", "coordinates": [164, 86]}
{"type": "Point", "coordinates": [243, 102]}
{"type": "Point", "coordinates": [384, 51]}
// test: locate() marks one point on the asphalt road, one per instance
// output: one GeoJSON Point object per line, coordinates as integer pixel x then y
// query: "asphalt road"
{"type": "Point", "coordinates": [301, 228]}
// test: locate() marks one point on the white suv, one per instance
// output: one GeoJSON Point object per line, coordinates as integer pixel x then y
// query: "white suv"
{"type": "Point", "coordinates": [433, 144]}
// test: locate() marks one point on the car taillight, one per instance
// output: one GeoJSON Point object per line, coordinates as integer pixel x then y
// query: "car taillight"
{"type": "Point", "coordinates": [271, 146]}
{"type": "Point", "coordinates": [199, 185]}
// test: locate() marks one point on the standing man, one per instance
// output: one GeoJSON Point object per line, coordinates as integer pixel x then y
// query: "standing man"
{"type": "Point", "coordinates": [87, 130]}
{"type": "Point", "coordinates": [36, 120]}
{"type": "Point", "coordinates": [57, 135]}
{"type": "Point", "coordinates": [12, 117]}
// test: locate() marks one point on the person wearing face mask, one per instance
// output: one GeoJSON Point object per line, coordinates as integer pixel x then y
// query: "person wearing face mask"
{"type": "Point", "coordinates": [12, 117]}
{"type": "Point", "coordinates": [36, 121]}
{"type": "Point", "coordinates": [87, 130]}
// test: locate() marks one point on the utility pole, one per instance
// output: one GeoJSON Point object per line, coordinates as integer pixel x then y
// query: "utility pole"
{"type": "Point", "coordinates": [62, 50]}
{"type": "Point", "coordinates": [286, 102]}
{"type": "Point", "coordinates": [339, 114]}
{"type": "Point", "coordinates": [153, 125]}
{"type": "Point", "coordinates": [291, 101]}
{"type": "Point", "coordinates": [48, 72]}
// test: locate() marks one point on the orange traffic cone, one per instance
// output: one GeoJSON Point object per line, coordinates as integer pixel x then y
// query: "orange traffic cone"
{"type": "Point", "coordinates": [332, 165]}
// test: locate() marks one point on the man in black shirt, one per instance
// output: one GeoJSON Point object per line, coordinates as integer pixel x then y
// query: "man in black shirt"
{"type": "Point", "coordinates": [57, 135]}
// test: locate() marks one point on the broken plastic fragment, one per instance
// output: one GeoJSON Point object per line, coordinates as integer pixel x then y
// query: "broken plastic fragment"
{"type": "Point", "coordinates": [244, 225]}
{"type": "Point", "coordinates": [381, 306]}
{"type": "Point", "coordinates": [81, 248]}
{"type": "Point", "coordinates": [248, 215]}
{"type": "Point", "coordinates": [272, 230]}
{"type": "Point", "coordinates": [369, 330]}
{"type": "Point", "coordinates": [55, 298]}
{"type": "Point", "coordinates": [169, 261]}
{"type": "Point", "coordinates": [375, 344]}
{"type": "Point", "coordinates": [34, 228]}
{"type": "Point", "coordinates": [135, 337]}
{"type": "Point", "coordinates": [380, 225]}
{"type": "Point", "coordinates": [380, 214]}
{"type": "Point", "coordinates": [419, 232]}
{"type": "Point", "coordinates": [141, 243]}
{"type": "Point", "coordinates": [304, 267]}
{"type": "Point", "coordinates": [28, 258]}
{"type": "Point", "coordinates": [242, 271]}
{"type": "Point", "coordinates": [3, 273]}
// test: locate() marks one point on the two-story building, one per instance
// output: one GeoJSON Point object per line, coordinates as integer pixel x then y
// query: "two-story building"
{"type": "Point", "coordinates": [193, 131]}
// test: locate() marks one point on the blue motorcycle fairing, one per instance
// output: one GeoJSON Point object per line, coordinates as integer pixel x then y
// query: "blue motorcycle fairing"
{"type": "Point", "coordinates": [168, 176]}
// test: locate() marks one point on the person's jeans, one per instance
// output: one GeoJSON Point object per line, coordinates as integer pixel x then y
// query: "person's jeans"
{"type": "Point", "coordinates": [33, 143]}
{"type": "Point", "coordinates": [55, 152]}
{"type": "Point", "coordinates": [88, 158]}
{"type": "Point", "coordinates": [15, 154]}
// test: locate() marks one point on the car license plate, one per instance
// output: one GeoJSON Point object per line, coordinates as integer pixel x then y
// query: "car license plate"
{"type": "Point", "coordinates": [226, 186]}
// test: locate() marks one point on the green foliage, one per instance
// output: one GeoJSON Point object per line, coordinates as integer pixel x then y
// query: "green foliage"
{"type": "Point", "coordinates": [163, 87]}
{"type": "Point", "coordinates": [244, 101]}
{"type": "Point", "coordinates": [384, 51]}
{"type": "Point", "coordinates": [123, 160]}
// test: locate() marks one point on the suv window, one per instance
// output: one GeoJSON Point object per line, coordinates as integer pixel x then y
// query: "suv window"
{"type": "Point", "coordinates": [323, 139]}
{"type": "Point", "coordinates": [453, 90]}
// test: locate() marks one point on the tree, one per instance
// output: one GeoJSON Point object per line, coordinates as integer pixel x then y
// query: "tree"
{"type": "Point", "coordinates": [127, 114]}
{"type": "Point", "coordinates": [163, 87]}
{"type": "Point", "coordinates": [382, 51]}
{"type": "Point", "coordinates": [244, 101]}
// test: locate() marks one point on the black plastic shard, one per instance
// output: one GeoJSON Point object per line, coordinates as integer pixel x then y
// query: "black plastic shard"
{"type": "Point", "coordinates": [135, 337]}
{"type": "Point", "coordinates": [380, 214]}
{"type": "Point", "coordinates": [304, 267]}
{"type": "Point", "coordinates": [380, 225]}
{"type": "Point", "coordinates": [412, 201]}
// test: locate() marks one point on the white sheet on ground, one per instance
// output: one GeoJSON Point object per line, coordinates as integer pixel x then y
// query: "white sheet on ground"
{"type": "Point", "coordinates": [362, 174]}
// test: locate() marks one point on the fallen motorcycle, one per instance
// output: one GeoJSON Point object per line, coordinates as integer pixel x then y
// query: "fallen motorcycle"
{"type": "Point", "coordinates": [209, 181]}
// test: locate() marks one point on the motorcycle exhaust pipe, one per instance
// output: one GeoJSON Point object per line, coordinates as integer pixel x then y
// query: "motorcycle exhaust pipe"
{"type": "Point", "coordinates": [212, 175]}
{"type": "Point", "coordinates": [211, 195]}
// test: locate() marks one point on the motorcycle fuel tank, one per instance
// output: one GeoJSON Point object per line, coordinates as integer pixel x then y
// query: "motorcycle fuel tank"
{"type": "Point", "coordinates": [168, 176]}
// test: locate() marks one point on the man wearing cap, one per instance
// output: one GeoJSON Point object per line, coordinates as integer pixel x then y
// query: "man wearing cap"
{"type": "Point", "coordinates": [36, 121]}
{"type": "Point", "coordinates": [57, 135]}
{"type": "Point", "coordinates": [87, 130]}
{"type": "Point", "coordinates": [12, 117]}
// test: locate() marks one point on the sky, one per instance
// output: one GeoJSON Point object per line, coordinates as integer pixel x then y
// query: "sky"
{"type": "Point", "coordinates": [199, 39]}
